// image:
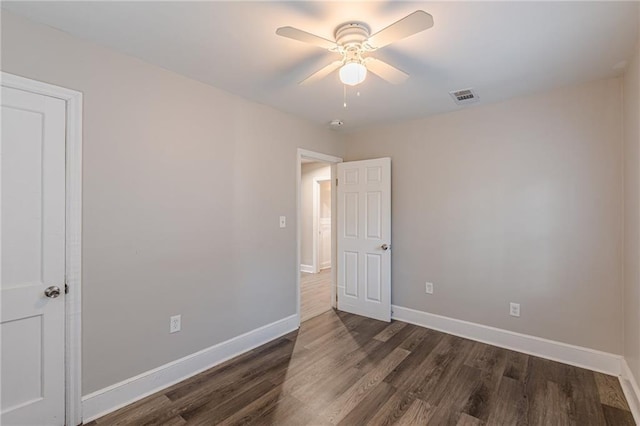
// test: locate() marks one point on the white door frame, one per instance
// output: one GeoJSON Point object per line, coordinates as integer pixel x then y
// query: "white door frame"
{"type": "Point", "coordinates": [332, 160]}
{"type": "Point", "coordinates": [316, 220]}
{"type": "Point", "coordinates": [73, 306]}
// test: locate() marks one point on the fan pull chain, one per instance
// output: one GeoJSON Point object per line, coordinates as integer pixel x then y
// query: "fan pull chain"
{"type": "Point", "coordinates": [344, 95]}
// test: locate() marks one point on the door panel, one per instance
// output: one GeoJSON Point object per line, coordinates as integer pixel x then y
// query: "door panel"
{"type": "Point", "coordinates": [33, 258]}
{"type": "Point", "coordinates": [364, 225]}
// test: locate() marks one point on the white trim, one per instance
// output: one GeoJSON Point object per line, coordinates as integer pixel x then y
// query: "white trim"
{"type": "Point", "coordinates": [73, 300]}
{"type": "Point", "coordinates": [578, 356]}
{"type": "Point", "coordinates": [316, 220]}
{"type": "Point", "coordinates": [106, 400]}
{"type": "Point", "coordinates": [631, 390]}
{"type": "Point", "coordinates": [307, 268]}
{"type": "Point", "coordinates": [317, 156]}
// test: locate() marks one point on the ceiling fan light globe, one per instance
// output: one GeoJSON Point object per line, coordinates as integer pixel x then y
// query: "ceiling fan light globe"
{"type": "Point", "coordinates": [353, 73]}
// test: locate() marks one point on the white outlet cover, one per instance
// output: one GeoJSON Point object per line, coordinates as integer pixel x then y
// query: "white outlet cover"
{"type": "Point", "coordinates": [175, 323]}
{"type": "Point", "coordinates": [428, 288]}
{"type": "Point", "coordinates": [514, 309]}
{"type": "Point", "coordinates": [283, 221]}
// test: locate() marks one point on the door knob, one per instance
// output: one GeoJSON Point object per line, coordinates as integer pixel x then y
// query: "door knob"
{"type": "Point", "coordinates": [52, 292]}
{"type": "Point", "coordinates": [385, 247]}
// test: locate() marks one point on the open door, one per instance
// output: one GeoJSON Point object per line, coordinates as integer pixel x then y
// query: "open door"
{"type": "Point", "coordinates": [364, 238]}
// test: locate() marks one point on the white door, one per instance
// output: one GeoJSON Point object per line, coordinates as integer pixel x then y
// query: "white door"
{"type": "Point", "coordinates": [364, 238]}
{"type": "Point", "coordinates": [33, 258]}
{"type": "Point", "coordinates": [324, 225]}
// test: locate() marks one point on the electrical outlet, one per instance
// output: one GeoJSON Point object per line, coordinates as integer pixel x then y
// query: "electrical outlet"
{"type": "Point", "coordinates": [428, 288]}
{"type": "Point", "coordinates": [175, 323]}
{"type": "Point", "coordinates": [283, 221]}
{"type": "Point", "coordinates": [514, 309]}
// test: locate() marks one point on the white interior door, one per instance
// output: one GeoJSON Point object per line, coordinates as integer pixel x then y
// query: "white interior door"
{"type": "Point", "coordinates": [364, 238]}
{"type": "Point", "coordinates": [33, 258]}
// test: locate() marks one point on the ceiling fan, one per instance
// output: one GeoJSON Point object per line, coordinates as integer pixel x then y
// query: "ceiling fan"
{"type": "Point", "coordinates": [353, 41]}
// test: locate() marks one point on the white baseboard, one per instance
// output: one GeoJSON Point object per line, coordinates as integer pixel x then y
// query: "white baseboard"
{"type": "Point", "coordinates": [631, 390]}
{"type": "Point", "coordinates": [111, 398]}
{"type": "Point", "coordinates": [578, 356]}
{"type": "Point", "coordinates": [307, 268]}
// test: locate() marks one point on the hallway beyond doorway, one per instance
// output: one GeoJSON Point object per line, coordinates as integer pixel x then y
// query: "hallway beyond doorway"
{"type": "Point", "coordinates": [315, 294]}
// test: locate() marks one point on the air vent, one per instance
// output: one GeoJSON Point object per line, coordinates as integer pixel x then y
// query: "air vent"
{"type": "Point", "coordinates": [465, 96]}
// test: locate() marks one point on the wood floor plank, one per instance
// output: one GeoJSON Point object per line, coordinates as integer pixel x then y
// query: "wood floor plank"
{"type": "Point", "coordinates": [458, 390]}
{"type": "Point", "coordinates": [516, 365]}
{"type": "Point", "coordinates": [418, 335]}
{"type": "Point", "coordinates": [546, 401]}
{"type": "Point", "coordinates": [324, 392]}
{"type": "Point", "coordinates": [254, 410]}
{"type": "Point", "coordinates": [175, 421]}
{"type": "Point", "coordinates": [385, 349]}
{"type": "Point", "coordinates": [510, 404]}
{"type": "Point", "coordinates": [405, 373]}
{"type": "Point", "coordinates": [467, 420]}
{"type": "Point", "coordinates": [356, 393]}
{"type": "Point", "coordinates": [439, 368]}
{"type": "Point", "coordinates": [287, 412]}
{"type": "Point", "coordinates": [616, 417]}
{"type": "Point", "coordinates": [392, 411]}
{"type": "Point", "coordinates": [575, 391]}
{"type": "Point", "coordinates": [610, 391]}
{"type": "Point", "coordinates": [367, 408]}
{"type": "Point", "coordinates": [390, 330]}
{"type": "Point", "coordinates": [340, 368]}
{"type": "Point", "coordinates": [491, 362]}
{"type": "Point", "coordinates": [419, 413]}
{"type": "Point", "coordinates": [137, 411]}
{"type": "Point", "coordinates": [214, 412]}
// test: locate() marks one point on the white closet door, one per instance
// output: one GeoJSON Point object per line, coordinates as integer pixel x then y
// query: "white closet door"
{"type": "Point", "coordinates": [33, 258]}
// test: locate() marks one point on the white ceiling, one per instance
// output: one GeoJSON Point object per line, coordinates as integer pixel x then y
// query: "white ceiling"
{"type": "Point", "coordinates": [501, 49]}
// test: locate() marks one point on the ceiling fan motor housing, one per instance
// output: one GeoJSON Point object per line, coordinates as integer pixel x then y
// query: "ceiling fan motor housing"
{"type": "Point", "coordinates": [352, 34]}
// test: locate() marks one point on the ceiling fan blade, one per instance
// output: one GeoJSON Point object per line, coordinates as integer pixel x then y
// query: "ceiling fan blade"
{"type": "Point", "coordinates": [407, 26]}
{"type": "Point", "coordinates": [385, 71]}
{"type": "Point", "coordinates": [322, 73]}
{"type": "Point", "coordinates": [305, 37]}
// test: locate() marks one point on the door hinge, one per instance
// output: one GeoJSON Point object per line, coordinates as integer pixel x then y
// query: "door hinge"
{"type": "Point", "coordinates": [336, 181]}
{"type": "Point", "coordinates": [66, 286]}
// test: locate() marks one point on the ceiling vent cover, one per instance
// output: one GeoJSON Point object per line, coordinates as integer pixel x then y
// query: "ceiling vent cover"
{"type": "Point", "coordinates": [465, 96]}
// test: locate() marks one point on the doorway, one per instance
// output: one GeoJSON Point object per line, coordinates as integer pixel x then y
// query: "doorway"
{"type": "Point", "coordinates": [316, 234]}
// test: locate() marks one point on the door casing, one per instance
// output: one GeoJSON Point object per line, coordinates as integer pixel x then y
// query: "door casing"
{"type": "Point", "coordinates": [73, 240]}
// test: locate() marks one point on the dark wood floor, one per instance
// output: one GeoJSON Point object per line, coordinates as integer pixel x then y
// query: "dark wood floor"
{"type": "Point", "coordinates": [345, 369]}
{"type": "Point", "coordinates": [315, 294]}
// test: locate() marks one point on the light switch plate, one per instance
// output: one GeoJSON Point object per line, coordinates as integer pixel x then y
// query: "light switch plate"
{"type": "Point", "coordinates": [283, 221]}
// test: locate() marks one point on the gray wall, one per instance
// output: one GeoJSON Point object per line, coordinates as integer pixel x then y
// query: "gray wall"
{"type": "Point", "coordinates": [183, 187]}
{"type": "Point", "coordinates": [309, 172]}
{"type": "Point", "coordinates": [519, 201]}
{"type": "Point", "coordinates": [631, 107]}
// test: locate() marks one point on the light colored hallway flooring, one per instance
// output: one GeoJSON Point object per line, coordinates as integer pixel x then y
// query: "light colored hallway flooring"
{"type": "Point", "coordinates": [344, 369]}
{"type": "Point", "coordinates": [315, 294]}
